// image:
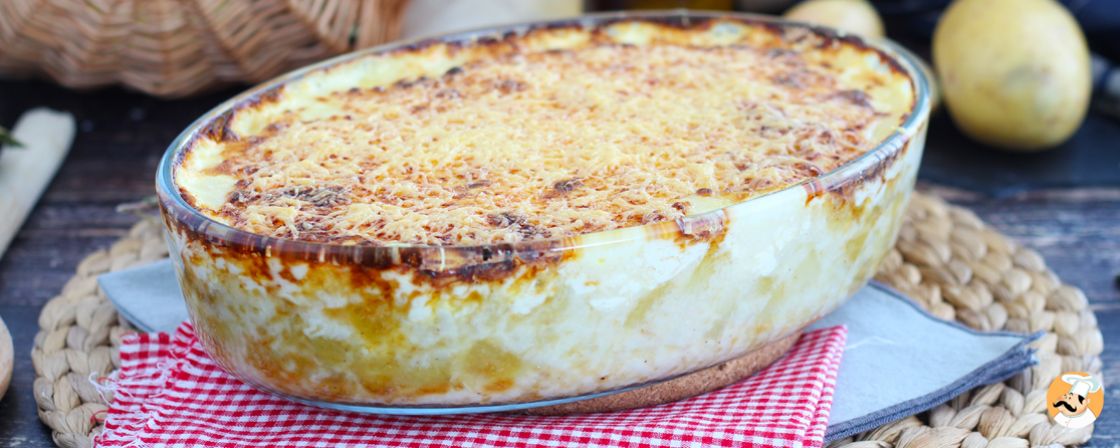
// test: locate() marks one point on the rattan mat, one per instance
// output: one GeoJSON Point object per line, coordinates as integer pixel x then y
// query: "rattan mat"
{"type": "Point", "coordinates": [945, 258]}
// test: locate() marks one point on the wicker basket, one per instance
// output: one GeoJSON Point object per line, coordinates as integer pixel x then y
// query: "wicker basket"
{"type": "Point", "coordinates": [174, 48]}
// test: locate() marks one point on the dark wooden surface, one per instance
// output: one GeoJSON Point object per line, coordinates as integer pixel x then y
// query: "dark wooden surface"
{"type": "Point", "coordinates": [122, 135]}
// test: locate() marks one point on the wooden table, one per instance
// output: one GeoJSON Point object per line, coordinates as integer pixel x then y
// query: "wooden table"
{"type": "Point", "coordinates": [122, 135]}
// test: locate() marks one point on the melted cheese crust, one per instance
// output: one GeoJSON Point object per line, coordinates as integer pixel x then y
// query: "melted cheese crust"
{"type": "Point", "coordinates": [571, 136]}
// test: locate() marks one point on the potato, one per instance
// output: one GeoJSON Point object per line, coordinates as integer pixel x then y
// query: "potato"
{"type": "Point", "coordinates": [1014, 73]}
{"type": "Point", "coordinates": [853, 16]}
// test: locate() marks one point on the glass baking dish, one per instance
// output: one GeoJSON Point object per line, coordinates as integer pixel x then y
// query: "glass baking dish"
{"type": "Point", "coordinates": [413, 329]}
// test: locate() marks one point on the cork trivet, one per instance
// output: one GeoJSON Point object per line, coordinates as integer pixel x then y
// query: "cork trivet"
{"type": "Point", "coordinates": [946, 259]}
{"type": "Point", "coordinates": [684, 386]}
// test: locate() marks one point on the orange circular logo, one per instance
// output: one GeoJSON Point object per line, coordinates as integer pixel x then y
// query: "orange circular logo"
{"type": "Point", "coordinates": [1075, 399]}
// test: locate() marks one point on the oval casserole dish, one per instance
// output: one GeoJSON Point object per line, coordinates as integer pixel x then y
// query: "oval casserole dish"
{"type": "Point", "coordinates": [543, 321]}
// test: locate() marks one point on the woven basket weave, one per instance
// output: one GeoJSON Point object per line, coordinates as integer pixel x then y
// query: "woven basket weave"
{"type": "Point", "coordinates": [946, 259]}
{"type": "Point", "coordinates": [173, 48]}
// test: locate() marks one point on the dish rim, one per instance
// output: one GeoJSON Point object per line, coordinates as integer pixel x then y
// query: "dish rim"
{"type": "Point", "coordinates": [171, 200]}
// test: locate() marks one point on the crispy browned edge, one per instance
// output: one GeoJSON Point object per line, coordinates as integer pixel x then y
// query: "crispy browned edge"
{"type": "Point", "coordinates": [490, 262]}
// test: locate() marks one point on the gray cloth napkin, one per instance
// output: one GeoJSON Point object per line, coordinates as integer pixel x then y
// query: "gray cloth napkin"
{"type": "Point", "coordinates": [899, 360]}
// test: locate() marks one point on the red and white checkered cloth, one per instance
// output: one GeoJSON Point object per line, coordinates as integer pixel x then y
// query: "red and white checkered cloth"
{"type": "Point", "coordinates": [169, 392]}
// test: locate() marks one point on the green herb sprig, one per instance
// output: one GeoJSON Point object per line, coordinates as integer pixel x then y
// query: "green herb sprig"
{"type": "Point", "coordinates": [7, 139]}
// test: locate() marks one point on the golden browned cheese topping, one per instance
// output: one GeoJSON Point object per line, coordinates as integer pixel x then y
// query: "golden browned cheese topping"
{"type": "Point", "coordinates": [547, 144]}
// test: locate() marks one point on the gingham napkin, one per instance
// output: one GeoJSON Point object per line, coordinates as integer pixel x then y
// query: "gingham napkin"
{"type": "Point", "coordinates": [169, 392]}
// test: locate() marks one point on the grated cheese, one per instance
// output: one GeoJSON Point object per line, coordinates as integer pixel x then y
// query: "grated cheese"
{"type": "Point", "coordinates": [539, 144]}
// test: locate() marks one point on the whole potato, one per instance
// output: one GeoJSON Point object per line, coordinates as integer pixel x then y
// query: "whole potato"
{"type": "Point", "coordinates": [1014, 73]}
{"type": "Point", "coordinates": [853, 16]}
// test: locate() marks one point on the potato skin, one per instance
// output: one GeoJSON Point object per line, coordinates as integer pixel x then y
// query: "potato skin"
{"type": "Point", "coordinates": [853, 16]}
{"type": "Point", "coordinates": [1014, 73]}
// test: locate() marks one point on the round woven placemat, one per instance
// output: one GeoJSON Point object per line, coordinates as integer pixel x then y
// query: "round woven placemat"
{"type": "Point", "coordinates": [946, 259]}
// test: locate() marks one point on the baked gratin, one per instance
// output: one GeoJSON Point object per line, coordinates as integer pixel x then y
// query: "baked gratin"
{"type": "Point", "coordinates": [555, 134]}
{"type": "Point", "coordinates": [540, 212]}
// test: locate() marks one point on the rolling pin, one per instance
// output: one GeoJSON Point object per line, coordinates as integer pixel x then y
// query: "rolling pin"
{"type": "Point", "coordinates": [26, 171]}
